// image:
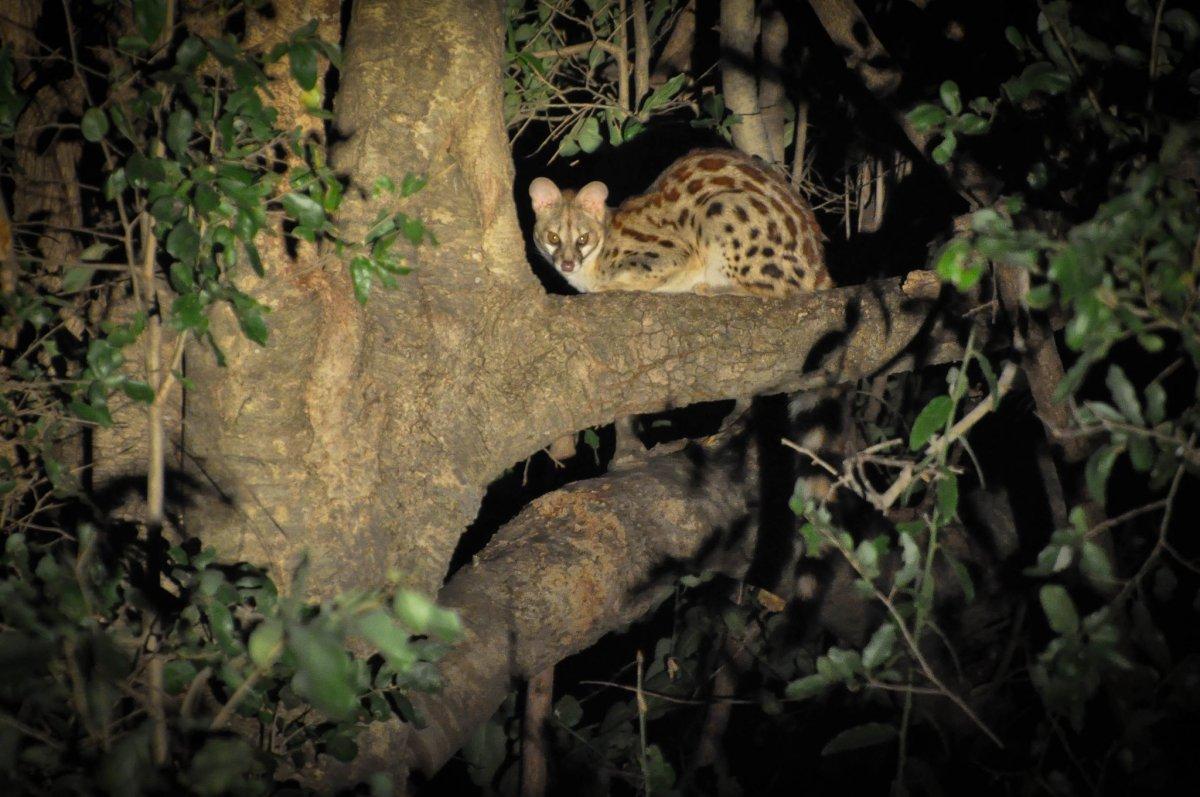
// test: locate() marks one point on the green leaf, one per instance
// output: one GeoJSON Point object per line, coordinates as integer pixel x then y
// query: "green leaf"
{"type": "Point", "coordinates": [221, 623]}
{"type": "Point", "coordinates": [304, 209]}
{"type": "Point", "coordinates": [869, 734]}
{"type": "Point", "coordinates": [138, 391]}
{"type": "Point", "coordinates": [932, 419]}
{"type": "Point", "coordinates": [971, 125]}
{"type": "Point", "coordinates": [879, 648]}
{"type": "Point", "coordinates": [926, 117]}
{"type": "Point", "coordinates": [1038, 77]}
{"type": "Point", "coordinates": [414, 610]}
{"type": "Point", "coordinates": [962, 574]}
{"type": "Point", "coordinates": [250, 318]}
{"type": "Point", "coordinates": [187, 313]}
{"type": "Point", "coordinates": [179, 130]}
{"type": "Point", "coordinates": [76, 279]}
{"type": "Point", "coordinates": [324, 672]}
{"type": "Point", "coordinates": [412, 183]}
{"type": "Point", "coordinates": [412, 228]}
{"type": "Point", "coordinates": [266, 643]}
{"type": "Point", "coordinates": [1124, 395]}
{"type": "Point", "coordinates": [142, 172]}
{"type": "Point", "coordinates": [1096, 567]}
{"type": "Point", "coordinates": [149, 16]}
{"type": "Point", "coordinates": [568, 711]}
{"type": "Point", "coordinates": [381, 184]}
{"type": "Point", "coordinates": [92, 413]}
{"type": "Point", "coordinates": [950, 97]}
{"type": "Point", "coordinates": [1141, 453]}
{"type": "Point", "coordinates": [362, 271]}
{"type": "Point", "coordinates": [1156, 403]}
{"type": "Point", "coordinates": [390, 639]}
{"type": "Point", "coordinates": [253, 256]}
{"type": "Point", "coordinates": [184, 242]}
{"type": "Point", "coordinates": [191, 53]}
{"type": "Point", "coordinates": [302, 59]}
{"type": "Point", "coordinates": [944, 151]}
{"type": "Point", "coordinates": [947, 496]}
{"type": "Point", "coordinates": [177, 675]}
{"type": "Point", "coordinates": [205, 199]}
{"type": "Point", "coordinates": [1099, 467]}
{"type": "Point", "coordinates": [115, 184]}
{"type": "Point", "coordinates": [659, 97]}
{"type": "Point", "coordinates": [588, 135]}
{"type": "Point", "coordinates": [94, 124]}
{"type": "Point", "coordinates": [1060, 609]}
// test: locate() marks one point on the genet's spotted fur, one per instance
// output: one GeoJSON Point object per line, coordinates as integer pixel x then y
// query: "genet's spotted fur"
{"type": "Point", "coordinates": [716, 221]}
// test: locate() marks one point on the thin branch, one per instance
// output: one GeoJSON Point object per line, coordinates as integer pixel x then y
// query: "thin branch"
{"type": "Point", "coordinates": [641, 53]}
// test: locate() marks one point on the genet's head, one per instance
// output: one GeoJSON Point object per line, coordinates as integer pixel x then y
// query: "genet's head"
{"type": "Point", "coordinates": [570, 226]}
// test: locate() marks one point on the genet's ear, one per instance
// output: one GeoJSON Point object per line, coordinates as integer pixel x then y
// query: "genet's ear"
{"type": "Point", "coordinates": [591, 198]}
{"type": "Point", "coordinates": [544, 193]}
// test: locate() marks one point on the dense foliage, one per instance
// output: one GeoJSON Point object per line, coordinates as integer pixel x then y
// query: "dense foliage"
{"type": "Point", "coordinates": [130, 656]}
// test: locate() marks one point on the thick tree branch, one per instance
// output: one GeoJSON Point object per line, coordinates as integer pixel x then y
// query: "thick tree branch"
{"type": "Point", "coordinates": [574, 565]}
{"type": "Point", "coordinates": [617, 354]}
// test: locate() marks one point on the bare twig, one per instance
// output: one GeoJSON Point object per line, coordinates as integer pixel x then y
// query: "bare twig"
{"type": "Point", "coordinates": [539, 691]}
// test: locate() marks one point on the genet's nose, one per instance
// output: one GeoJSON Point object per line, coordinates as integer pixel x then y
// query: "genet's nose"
{"type": "Point", "coordinates": [568, 265]}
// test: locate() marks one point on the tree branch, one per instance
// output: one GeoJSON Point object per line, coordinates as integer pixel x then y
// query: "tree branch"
{"type": "Point", "coordinates": [616, 354]}
{"type": "Point", "coordinates": [739, 30]}
{"type": "Point", "coordinates": [574, 565]}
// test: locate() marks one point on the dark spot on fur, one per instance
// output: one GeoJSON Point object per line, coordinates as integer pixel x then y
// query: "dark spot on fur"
{"type": "Point", "coordinates": [736, 244]}
{"type": "Point", "coordinates": [771, 270]}
{"type": "Point", "coordinates": [768, 251]}
{"type": "Point", "coordinates": [728, 228]}
{"type": "Point", "coordinates": [810, 250]}
{"type": "Point", "coordinates": [683, 217]}
{"type": "Point", "coordinates": [742, 215]}
{"type": "Point", "coordinates": [723, 181]}
{"type": "Point", "coordinates": [715, 209]}
{"type": "Point", "coordinates": [751, 172]}
{"type": "Point", "coordinates": [752, 251]}
{"type": "Point", "coordinates": [694, 186]}
{"type": "Point", "coordinates": [759, 206]}
{"type": "Point", "coordinates": [710, 164]}
{"type": "Point", "coordinates": [753, 233]}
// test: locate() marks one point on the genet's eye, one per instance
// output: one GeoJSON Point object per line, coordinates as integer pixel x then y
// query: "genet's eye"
{"type": "Point", "coordinates": [552, 238]}
{"type": "Point", "coordinates": [581, 240]}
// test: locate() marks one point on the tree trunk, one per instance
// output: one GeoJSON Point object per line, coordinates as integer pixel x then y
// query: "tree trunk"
{"type": "Point", "coordinates": [366, 436]}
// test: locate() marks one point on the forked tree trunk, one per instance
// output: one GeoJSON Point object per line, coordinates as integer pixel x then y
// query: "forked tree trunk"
{"type": "Point", "coordinates": [366, 436]}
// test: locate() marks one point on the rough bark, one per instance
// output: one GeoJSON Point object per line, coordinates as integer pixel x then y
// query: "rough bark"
{"type": "Point", "coordinates": [384, 424]}
{"type": "Point", "coordinates": [367, 435]}
{"type": "Point", "coordinates": [593, 557]}
{"type": "Point", "coordinates": [572, 566]}
{"type": "Point", "coordinates": [739, 79]}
